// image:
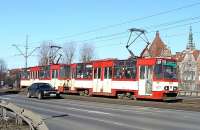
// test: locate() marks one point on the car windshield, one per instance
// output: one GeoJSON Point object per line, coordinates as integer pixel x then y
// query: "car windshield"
{"type": "Point", "coordinates": [45, 87]}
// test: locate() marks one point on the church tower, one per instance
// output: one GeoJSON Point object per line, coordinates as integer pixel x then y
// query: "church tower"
{"type": "Point", "coordinates": [190, 45]}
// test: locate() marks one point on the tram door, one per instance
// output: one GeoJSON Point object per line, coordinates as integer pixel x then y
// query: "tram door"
{"type": "Point", "coordinates": [97, 83]}
{"type": "Point", "coordinates": [107, 79]}
{"type": "Point", "coordinates": [145, 79]}
{"type": "Point", "coordinates": [54, 76]}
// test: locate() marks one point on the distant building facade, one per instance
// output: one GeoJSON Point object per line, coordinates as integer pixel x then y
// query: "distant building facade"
{"type": "Point", "coordinates": [188, 61]}
{"type": "Point", "coordinates": [189, 65]}
{"type": "Point", "coordinates": [13, 78]}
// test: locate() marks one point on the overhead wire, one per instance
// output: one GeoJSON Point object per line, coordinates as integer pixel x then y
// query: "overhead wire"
{"type": "Point", "coordinates": [128, 21]}
{"type": "Point", "coordinates": [134, 20]}
{"type": "Point", "coordinates": [173, 27]}
{"type": "Point", "coordinates": [98, 39]}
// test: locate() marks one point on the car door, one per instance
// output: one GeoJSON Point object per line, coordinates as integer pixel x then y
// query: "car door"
{"type": "Point", "coordinates": [34, 90]}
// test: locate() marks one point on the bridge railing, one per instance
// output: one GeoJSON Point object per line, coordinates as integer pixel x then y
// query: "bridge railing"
{"type": "Point", "coordinates": [189, 93]}
{"type": "Point", "coordinates": [34, 121]}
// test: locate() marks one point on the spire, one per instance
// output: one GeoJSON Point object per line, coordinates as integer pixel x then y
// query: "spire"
{"type": "Point", "coordinates": [190, 44]}
{"type": "Point", "coordinates": [157, 34]}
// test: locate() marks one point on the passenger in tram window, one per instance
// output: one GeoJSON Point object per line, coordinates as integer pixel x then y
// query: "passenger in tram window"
{"type": "Point", "coordinates": [123, 73]}
{"type": "Point", "coordinates": [128, 74]}
{"type": "Point", "coordinates": [87, 75]}
{"type": "Point", "coordinates": [81, 75]}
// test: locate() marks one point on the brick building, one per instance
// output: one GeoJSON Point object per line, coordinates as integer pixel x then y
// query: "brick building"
{"type": "Point", "coordinates": [157, 48]}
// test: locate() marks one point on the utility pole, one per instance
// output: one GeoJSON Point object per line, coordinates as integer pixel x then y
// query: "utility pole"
{"type": "Point", "coordinates": [25, 54]}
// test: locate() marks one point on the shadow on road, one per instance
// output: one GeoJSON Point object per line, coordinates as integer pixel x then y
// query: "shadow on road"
{"type": "Point", "coordinates": [8, 92]}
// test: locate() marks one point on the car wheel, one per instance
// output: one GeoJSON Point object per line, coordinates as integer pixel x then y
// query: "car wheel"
{"type": "Point", "coordinates": [28, 95]}
{"type": "Point", "coordinates": [40, 96]}
{"type": "Point", "coordinates": [58, 96]}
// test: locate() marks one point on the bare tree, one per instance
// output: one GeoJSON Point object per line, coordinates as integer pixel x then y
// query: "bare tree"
{"type": "Point", "coordinates": [87, 52]}
{"type": "Point", "coordinates": [69, 49]}
{"type": "Point", "coordinates": [3, 70]}
{"type": "Point", "coordinates": [49, 53]}
{"type": "Point", "coordinates": [44, 53]}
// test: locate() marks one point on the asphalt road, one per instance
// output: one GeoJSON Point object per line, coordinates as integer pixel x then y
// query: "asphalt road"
{"type": "Point", "coordinates": [66, 114]}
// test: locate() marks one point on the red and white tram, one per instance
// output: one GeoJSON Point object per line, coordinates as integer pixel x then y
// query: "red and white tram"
{"type": "Point", "coordinates": [146, 78]}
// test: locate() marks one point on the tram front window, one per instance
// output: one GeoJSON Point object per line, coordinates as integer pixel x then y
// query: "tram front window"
{"type": "Point", "coordinates": [165, 70]}
{"type": "Point", "coordinates": [169, 72]}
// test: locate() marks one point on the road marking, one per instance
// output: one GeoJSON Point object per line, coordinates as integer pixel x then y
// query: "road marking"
{"type": "Point", "coordinates": [87, 117]}
{"type": "Point", "coordinates": [111, 122]}
{"type": "Point", "coordinates": [5, 98]}
{"type": "Point", "coordinates": [89, 111]}
{"type": "Point", "coordinates": [77, 109]}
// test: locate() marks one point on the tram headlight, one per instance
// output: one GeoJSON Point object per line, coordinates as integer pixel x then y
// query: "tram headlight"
{"type": "Point", "coordinates": [175, 88]}
{"type": "Point", "coordinates": [166, 87]}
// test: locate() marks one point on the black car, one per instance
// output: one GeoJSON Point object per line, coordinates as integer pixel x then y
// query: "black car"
{"type": "Point", "coordinates": [42, 90]}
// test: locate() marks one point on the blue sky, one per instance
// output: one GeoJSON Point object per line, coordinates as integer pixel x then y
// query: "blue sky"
{"type": "Point", "coordinates": [57, 20]}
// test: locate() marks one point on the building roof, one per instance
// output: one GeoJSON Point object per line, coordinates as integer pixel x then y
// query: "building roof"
{"type": "Point", "coordinates": [181, 55]}
{"type": "Point", "coordinates": [189, 48]}
{"type": "Point", "coordinates": [158, 47]}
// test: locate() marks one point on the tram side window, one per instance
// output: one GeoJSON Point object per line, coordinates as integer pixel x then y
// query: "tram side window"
{"type": "Point", "coordinates": [30, 75]}
{"type": "Point", "coordinates": [65, 72]}
{"type": "Point", "coordinates": [125, 70]}
{"type": "Point", "coordinates": [158, 71]}
{"type": "Point", "coordinates": [117, 73]}
{"type": "Point", "coordinates": [25, 74]}
{"type": "Point", "coordinates": [54, 74]}
{"type": "Point", "coordinates": [73, 72]}
{"type": "Point", "coordinates": [99, 73]}
{"type": "Point", "coordinates": [84, 71]}
{"type": "Point", "coordinates": [95, 73]}
{"type": "Point", "coordinates": [41, 74]}
{"type": "Point", "coordinates": [107, 73]}
{"type": "Point", "coordinates": [37, 74]}
{"type": "Point", "coordinates": [45, 72]}
{"type": "Point", "coordinates": [142, 72]}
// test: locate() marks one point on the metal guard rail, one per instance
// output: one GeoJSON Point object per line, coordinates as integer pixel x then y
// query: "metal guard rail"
{"type": "Point", "coordinates": [34, 121]}
{"type": "Point", "coordinates": [189, 93]}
